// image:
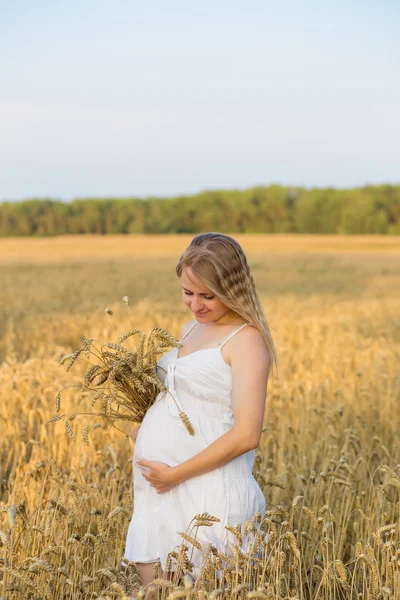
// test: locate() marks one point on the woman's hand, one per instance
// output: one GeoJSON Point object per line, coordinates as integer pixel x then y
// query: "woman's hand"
{"type": "Point", "coordinates": [134, 432]}
{"type": "Point", "coordinates": [158, 474]}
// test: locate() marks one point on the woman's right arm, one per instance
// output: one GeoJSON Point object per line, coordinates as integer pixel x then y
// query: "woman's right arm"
{"type": "Point", "coordinates": [134, 432]}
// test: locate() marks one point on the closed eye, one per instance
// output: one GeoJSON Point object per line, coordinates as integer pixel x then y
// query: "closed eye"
{"type": "Point", "coordinates": [205, 295]}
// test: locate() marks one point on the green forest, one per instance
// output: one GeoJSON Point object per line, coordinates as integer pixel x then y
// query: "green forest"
{"type": "Point", "coordinates": [272, 209]}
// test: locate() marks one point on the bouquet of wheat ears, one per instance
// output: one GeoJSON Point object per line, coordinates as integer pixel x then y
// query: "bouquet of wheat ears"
{"type": "Point", "coordinates": [123, 382]}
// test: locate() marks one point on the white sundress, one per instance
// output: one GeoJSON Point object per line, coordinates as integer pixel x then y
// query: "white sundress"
{"type": "Point", "coordinates": [201, 383]}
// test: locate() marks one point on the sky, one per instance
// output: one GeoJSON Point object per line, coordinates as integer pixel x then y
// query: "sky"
{"type": "Point", "coordinates": [128, 98]}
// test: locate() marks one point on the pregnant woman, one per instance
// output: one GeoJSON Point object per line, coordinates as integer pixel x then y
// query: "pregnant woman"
{"type": "Point", "coordinates": [218, 377]}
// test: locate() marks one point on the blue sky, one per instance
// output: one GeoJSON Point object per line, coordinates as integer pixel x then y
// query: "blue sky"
{"type": "Point", "coordinates": [127, 98]}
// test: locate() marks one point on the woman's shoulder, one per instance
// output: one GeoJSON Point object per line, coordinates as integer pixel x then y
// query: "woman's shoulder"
{"type": "Point", "coordinates": [186, 327]}
{"type": "Point", "coordinates": [250, 342]}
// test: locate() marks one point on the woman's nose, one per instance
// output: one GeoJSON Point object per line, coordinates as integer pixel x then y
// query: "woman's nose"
{"type": "Point", "coordinates": [196, 304]}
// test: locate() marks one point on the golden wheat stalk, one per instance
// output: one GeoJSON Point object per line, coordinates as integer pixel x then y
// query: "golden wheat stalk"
{"type": "Point", "coordinates": [124, 381]}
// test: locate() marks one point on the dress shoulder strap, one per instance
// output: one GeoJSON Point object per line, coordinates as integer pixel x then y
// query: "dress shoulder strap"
{"type": "Point", "coordinates": [232, 334]}
{"type": "Point", "coordinates": [187, 333]}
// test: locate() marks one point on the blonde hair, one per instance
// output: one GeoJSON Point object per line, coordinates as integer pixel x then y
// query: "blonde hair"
{"type": "Point", "coordinates": [220, 263]}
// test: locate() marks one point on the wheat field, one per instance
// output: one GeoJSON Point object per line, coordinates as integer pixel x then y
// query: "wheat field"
{"type": "Point", "coordinates": [328, 462]}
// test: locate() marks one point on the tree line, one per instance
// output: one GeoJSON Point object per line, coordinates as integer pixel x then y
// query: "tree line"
{"type": "Point", "coordinates": [272, 209]}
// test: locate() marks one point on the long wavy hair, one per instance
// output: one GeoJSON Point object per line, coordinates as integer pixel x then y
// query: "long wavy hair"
{"type": "Point", "coordinates": [220, 263]}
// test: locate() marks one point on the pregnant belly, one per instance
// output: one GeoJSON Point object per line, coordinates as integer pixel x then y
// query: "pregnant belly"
{"type": "Point", "coordinates": [164, 437]}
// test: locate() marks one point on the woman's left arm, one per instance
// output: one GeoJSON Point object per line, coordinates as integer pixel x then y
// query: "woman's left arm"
{"type": "Point", "coordinates": [250, 363]}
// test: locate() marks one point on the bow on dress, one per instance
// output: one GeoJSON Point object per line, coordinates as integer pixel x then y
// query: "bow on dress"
{"type": "Point", "coordinates": [173, 408]}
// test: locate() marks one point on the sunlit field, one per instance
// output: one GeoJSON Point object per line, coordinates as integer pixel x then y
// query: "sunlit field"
{"type": "Point", "coordinates": [329, 460]}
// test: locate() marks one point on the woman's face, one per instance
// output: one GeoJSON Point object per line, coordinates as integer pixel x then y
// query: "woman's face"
{"type": "Point", "coordinates": [204, 304]}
